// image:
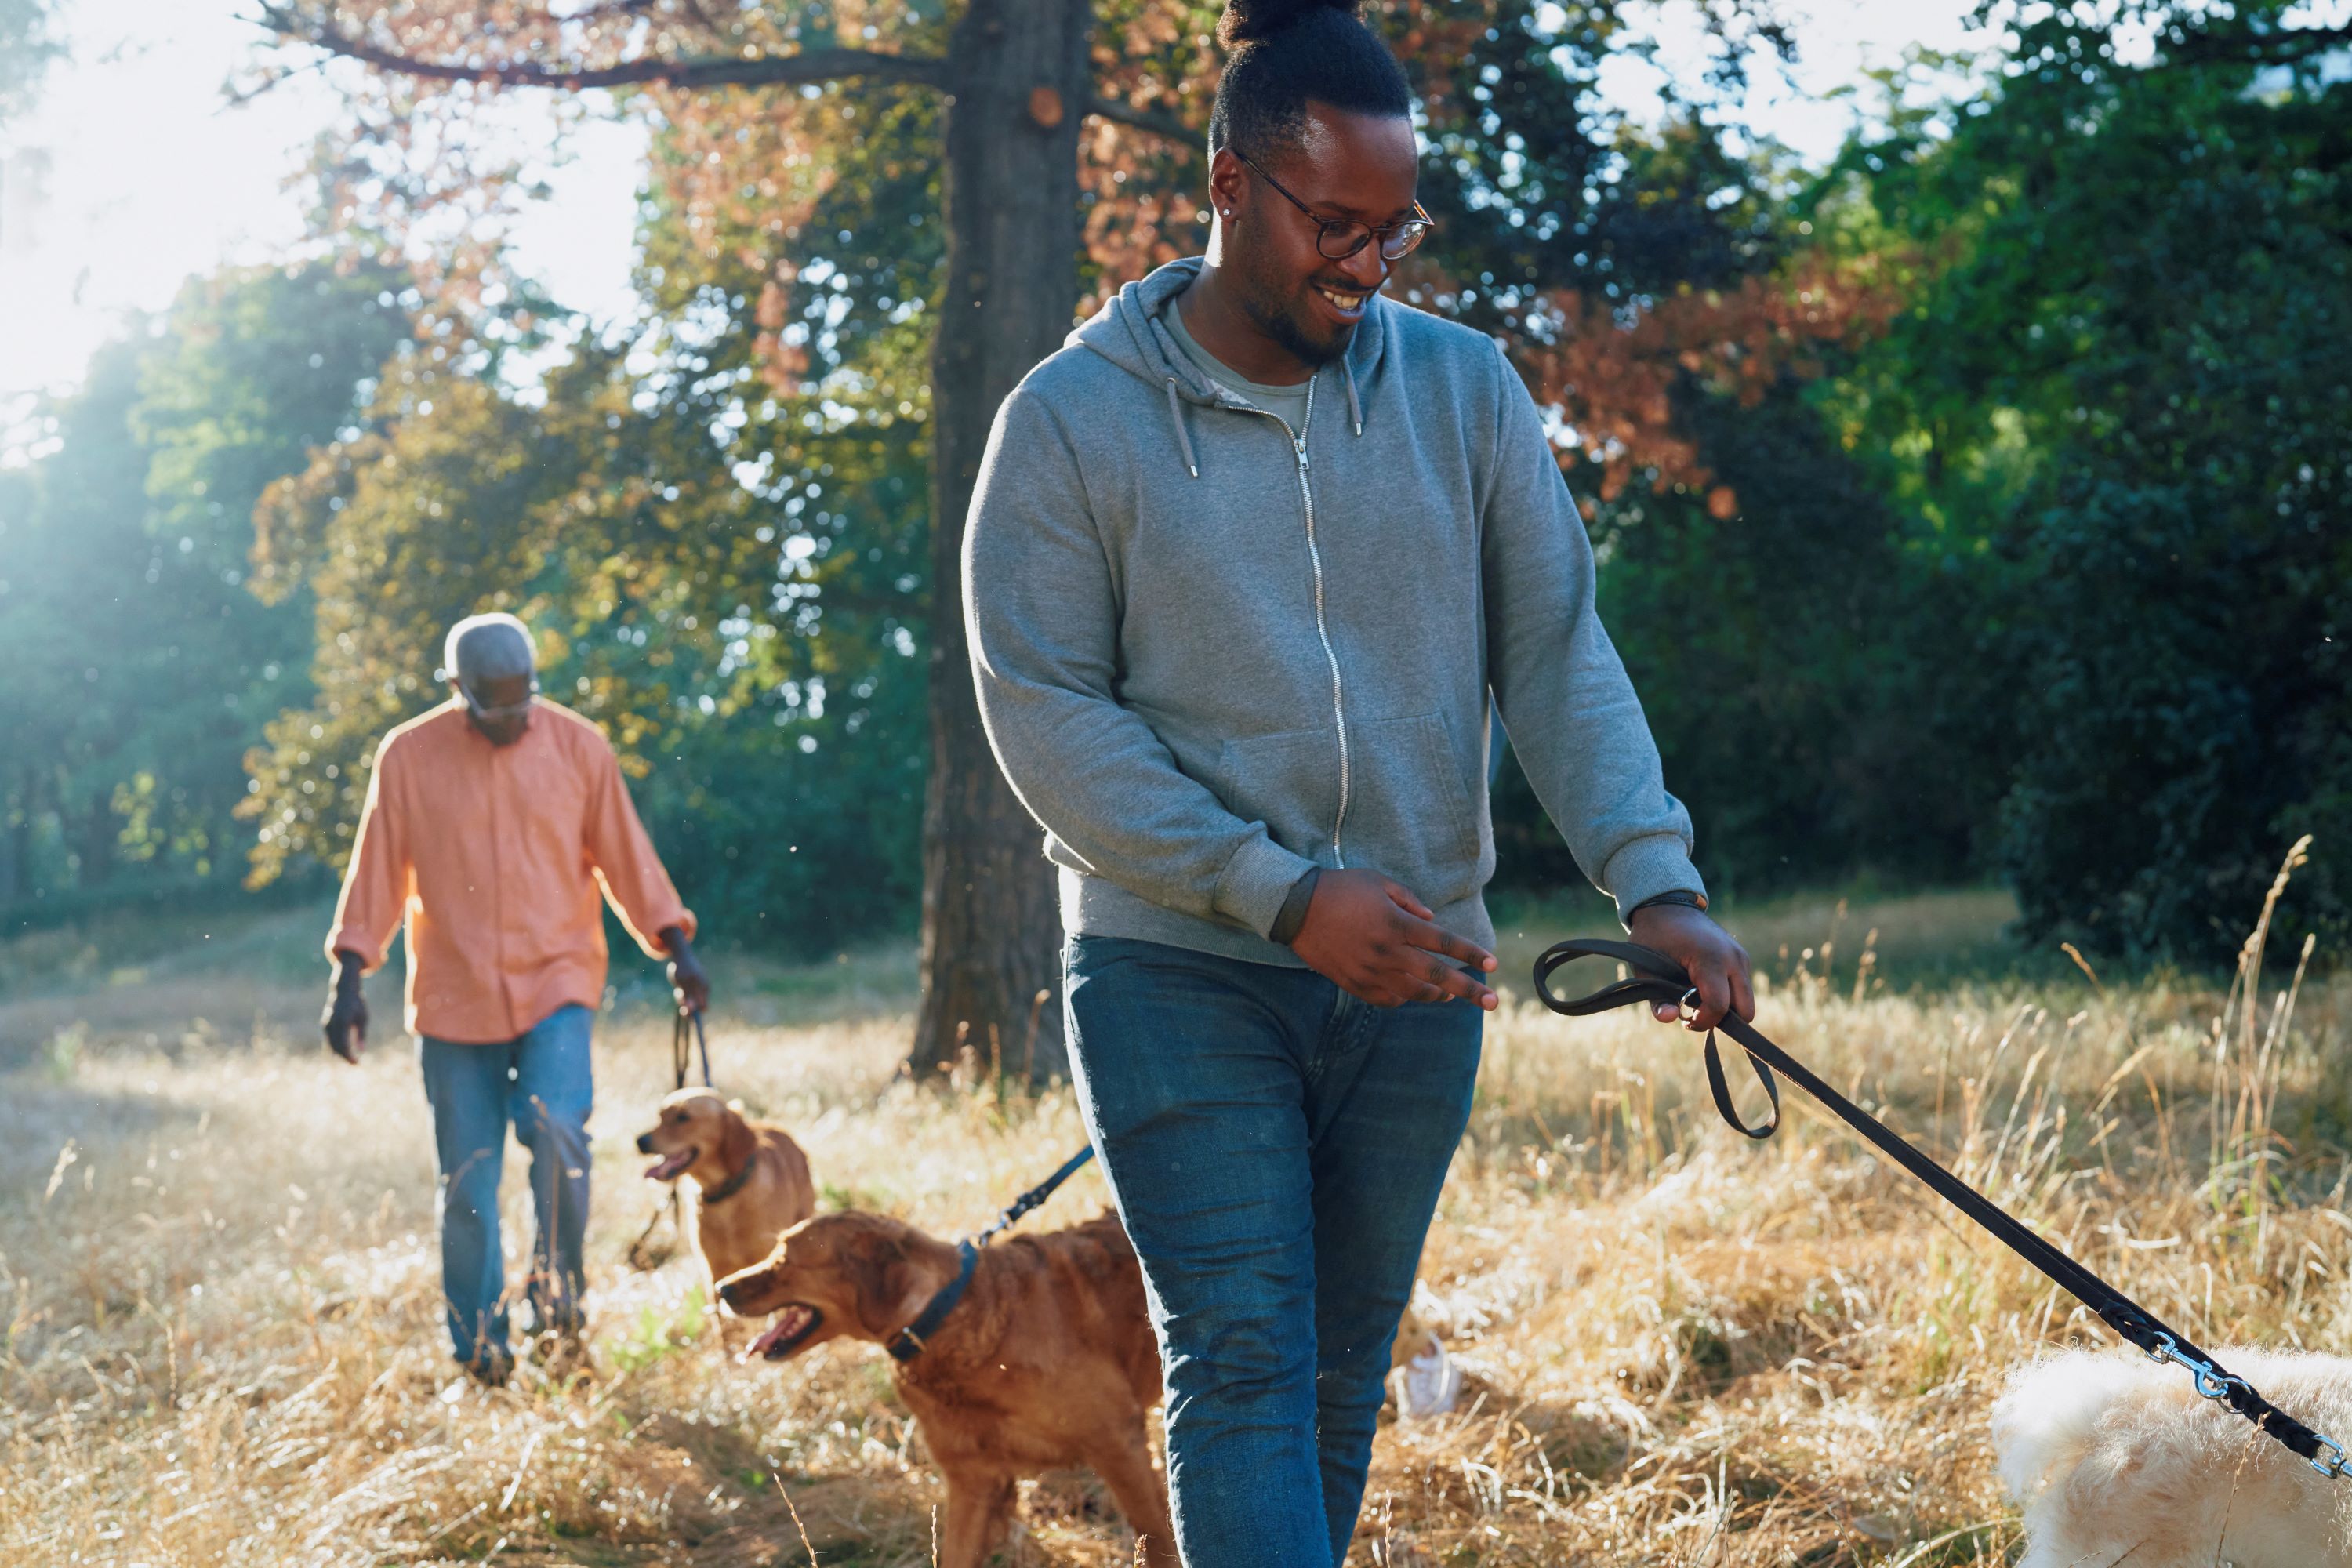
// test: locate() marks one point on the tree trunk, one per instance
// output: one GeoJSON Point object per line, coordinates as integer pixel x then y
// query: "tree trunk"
{"type": "Point", "coordinates": [97, 836]}
{"type": "Point", "coordinates": [16, 841]}
{"type": "Point", "coordinates": [1020, 78]}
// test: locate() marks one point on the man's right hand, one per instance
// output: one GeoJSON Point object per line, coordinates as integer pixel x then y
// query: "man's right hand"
{"type": "Point", "coordinates": [346, 1016]}
{"type": "Point", "coordinates": [1374, 940]}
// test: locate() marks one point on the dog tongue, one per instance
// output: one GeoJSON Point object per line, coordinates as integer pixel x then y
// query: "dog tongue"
{"type": "Point", "coordinates": [789, 1322]}
{"type": "Point", "coordinates": [669, 1167]}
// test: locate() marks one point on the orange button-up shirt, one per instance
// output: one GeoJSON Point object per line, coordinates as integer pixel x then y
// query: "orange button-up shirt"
{"type": "Point", "coordinates": [495, 857]}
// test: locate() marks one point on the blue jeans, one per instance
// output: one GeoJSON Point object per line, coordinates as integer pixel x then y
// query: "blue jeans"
{"type": "Point", "coordinates": [1275, 1148]}
{"type": "Point", "coordinates": [539, 1081]}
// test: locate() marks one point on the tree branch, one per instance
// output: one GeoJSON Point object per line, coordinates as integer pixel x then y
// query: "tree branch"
{"type": "Point", "coordinates": [709, 70]}
{"type": "Point", "coordinates": [1159, 124]}
{"type": "Point", "coordinates": [2247, 47]}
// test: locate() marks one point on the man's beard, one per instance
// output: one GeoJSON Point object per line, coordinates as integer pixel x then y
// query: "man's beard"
{"type": "Point", "coordinates": [500, 732]}
{"type": "Point", "coordinates": [1278, 317]}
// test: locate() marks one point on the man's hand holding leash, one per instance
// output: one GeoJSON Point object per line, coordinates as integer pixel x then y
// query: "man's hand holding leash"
{"type": "Point", "coordinates": [688, 981]}
{"type": "Point", "coordinates": [1716, 964]}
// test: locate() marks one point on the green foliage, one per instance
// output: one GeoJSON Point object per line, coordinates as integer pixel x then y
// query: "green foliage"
{"type": "Point", "coordinates": [2123, 406]}
{"type": "Point", "coordinates": [1535, 186]}
{"type": "Point", "coordinates": [655, 1336]}
{"type": "Point", "coordinates": [141, 668]}
{"type": "Point", "coordinates": [1780, 655]}
{"type": "Point", "coordinates": [757, 681]}
{"type": "Point", "coordinates": [26, 51]}
{"type": "Point", "coordinates": [1765, 644]}
{"type": "Point", "coordinates": [2050, 575]}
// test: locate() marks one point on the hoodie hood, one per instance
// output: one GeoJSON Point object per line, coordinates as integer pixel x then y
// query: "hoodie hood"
{"type": "Point", "coordinates": [1127, 333]}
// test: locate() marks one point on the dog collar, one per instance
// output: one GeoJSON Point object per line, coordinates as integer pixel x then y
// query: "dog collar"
{"type": "Point", "coordinates": [731, 1186]}
{"type": "Point", "coordinates": [909, 1341]}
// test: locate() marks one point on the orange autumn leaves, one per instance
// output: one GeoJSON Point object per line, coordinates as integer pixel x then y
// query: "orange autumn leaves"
{"type": "Point", "coordinates": [1611, 368]}
{"type": "Point", "coordinates": [743, 173]}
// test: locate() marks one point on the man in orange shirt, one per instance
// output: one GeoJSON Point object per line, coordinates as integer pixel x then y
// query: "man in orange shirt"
{"type": "Point", "coordinates": [492, 824]}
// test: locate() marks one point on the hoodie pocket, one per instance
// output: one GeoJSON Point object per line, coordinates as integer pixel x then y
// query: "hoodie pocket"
{"type": "Point", "coordinates": [1409, 814]}
{"type": "Point", "coordinates": [1288, 781]}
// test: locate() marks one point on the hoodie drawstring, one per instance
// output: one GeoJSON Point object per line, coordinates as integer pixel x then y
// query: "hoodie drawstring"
{"type": "Point", "coordinates": [1355, 409]}
{"type": "Point", "coordinates": [1183, 441]}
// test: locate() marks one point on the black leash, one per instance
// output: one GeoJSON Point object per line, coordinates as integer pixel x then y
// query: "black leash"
{"type": "Point", "coordinates": [677, 1042]}
{"type": "Point", "coordinates": [1035, 1195]}
{"type": "Point", "coordinates": [1657, 978]}
{"type": "Point", "coordinates": [907, 1343]}
{"type": "Point", "coordinates": [643, 1257]}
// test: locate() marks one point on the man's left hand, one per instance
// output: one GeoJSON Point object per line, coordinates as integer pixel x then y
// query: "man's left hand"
{"type": "Point", "coordinates": [1717, 965]}
{"type": "Point", "coordinates": [688, 981]}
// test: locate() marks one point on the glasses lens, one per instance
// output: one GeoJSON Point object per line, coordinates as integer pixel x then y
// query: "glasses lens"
{"type": "Point", "coordinates": [474, 700]}
{"type": "Point", "coordinates": [1401, 241]}
{"type": "Point", "coordinates": [1342, 239]}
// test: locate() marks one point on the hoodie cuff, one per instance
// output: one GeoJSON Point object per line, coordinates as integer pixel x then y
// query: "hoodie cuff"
{"type": "Point", "coordinates": [1256, 880]}
{"type": "Point", "coordinates": [1660, 863]}
{"type": "Point", "coordinates": [348, 939]}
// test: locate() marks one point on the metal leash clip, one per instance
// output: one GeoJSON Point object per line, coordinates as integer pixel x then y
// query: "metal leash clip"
{"type": "Point", "coordinates": [2212, 1381]}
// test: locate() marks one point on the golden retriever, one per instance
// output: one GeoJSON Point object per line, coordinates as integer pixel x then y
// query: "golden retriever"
{"type": "Point", "coordinates": [1046, 1361]}
{"type": "Point", "coordinates": [751, 1180]}
{"type": "Point", "coordinates": [2118, 1461]}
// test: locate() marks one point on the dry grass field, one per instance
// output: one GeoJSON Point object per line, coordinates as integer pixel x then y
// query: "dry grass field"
{"type": "Point", "coordinates": [223, 1339]}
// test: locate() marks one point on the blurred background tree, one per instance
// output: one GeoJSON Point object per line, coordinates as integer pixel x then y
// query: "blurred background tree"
{"type": "Point", "coordinates": [1975, 505]}
{"type": "Point", "coordinates": [143, 668]}
{"type": "Point", "coordinates": [802, 225]}
{"type": "Point", "coordinates": [2119, 416]}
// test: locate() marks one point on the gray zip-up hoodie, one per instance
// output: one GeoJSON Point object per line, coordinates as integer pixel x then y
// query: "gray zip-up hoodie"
{"type": "Point", "coordinates": [1213, 650]}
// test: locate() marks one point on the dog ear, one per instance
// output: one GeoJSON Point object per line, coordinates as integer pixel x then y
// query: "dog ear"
{"type": "Point", "coordinates": [889, 1293]}
{"type": "Point", "coordinates": [738, 1145]}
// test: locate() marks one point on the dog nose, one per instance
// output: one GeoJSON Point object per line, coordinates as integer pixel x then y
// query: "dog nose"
{"type": "Point", "coordinates": [644, 1143]}
{"type": "Point", "coordinates": [728, 1291]}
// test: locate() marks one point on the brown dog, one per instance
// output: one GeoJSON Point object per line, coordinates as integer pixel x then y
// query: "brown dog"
{"type": "Point", "coordinates": [751, 1180]}
{"type": "Point", "coordinates": [1047, 1360]}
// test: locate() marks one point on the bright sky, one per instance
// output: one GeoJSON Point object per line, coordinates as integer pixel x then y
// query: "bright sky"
{"type": "Point", "coordinates": [134, 173]}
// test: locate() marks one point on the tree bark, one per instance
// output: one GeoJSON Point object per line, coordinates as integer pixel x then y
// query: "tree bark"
{"type": "Point", "coordinates": [1019, 84]}
{"type": "Point", "coordinates": [99, 832]}
{"type": "Point", "coordinates": [16, 840]}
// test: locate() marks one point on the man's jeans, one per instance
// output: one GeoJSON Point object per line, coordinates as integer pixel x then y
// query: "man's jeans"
{"type": "Point", "coordinates": [1275, 1148]}
{"type": "Point", "coordinates": [539, 1081]}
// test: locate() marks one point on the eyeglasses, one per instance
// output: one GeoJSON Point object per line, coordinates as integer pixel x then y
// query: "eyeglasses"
{"type": "Point", "coordinates": [1340, 237]}
{"type": "Point", "coordinates": [492, 713]}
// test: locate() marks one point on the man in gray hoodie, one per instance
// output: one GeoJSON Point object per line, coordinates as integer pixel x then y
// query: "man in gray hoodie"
{"type": "Point", "coordinates": [1245, 562]}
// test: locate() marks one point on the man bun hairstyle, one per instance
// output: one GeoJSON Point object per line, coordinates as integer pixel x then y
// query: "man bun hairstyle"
{"type": "Point", "coordinates": [1285, 54]}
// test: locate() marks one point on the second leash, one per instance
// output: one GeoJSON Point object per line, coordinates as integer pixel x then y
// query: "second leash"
{"type": "Point", "coordinates": [679, 1056]}
{"type": "Point", "coordinates": [646, 1254]}
{"type": "Point", "coordinates": [909, 1342]}
{"type": "Point", "coordinates": [1035, 1195]}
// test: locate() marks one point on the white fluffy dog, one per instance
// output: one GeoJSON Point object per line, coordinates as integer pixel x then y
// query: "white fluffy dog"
{"type": "Point", "coordinates": [2121, 1465]}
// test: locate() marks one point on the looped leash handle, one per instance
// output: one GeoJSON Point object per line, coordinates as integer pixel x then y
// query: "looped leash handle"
{"type": "Point", "coordinates": [1656, 978]}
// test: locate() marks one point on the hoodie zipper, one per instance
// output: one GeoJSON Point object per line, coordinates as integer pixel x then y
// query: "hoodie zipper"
{"type": "Point", "coordinates": [1322, 629]}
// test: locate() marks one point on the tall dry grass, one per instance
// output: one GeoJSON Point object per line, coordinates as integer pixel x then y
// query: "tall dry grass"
{"type": "Point", "coordinates": [222, 1339]}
